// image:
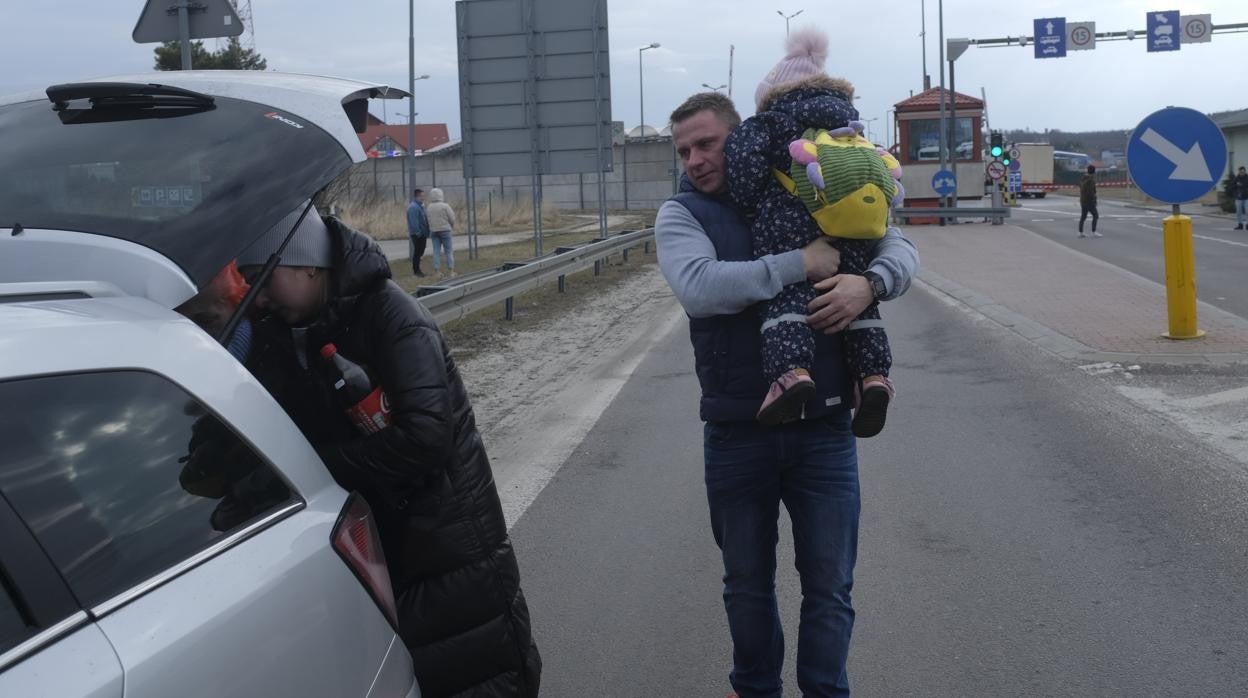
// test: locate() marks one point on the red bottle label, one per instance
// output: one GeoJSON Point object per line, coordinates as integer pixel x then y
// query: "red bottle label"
{"type": "Point", "coordinates": [372, 414]}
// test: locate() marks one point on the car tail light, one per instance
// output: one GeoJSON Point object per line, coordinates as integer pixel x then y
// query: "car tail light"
{"type": "Point", "coordinates": [356, 540]}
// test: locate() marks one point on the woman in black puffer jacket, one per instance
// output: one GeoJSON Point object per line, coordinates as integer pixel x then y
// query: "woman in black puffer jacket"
{"type": "Point", "coordinates": [427, 477]}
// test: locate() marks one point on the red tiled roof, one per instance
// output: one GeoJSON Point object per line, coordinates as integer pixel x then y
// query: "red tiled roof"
{"type": "Point", "coordinates": [427, 135]}
{"type": "Point", "coordinates": [930, 99]}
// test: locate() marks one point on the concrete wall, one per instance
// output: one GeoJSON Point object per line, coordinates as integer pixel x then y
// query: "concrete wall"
{"type": "Point", "coordinates": [649, 164]}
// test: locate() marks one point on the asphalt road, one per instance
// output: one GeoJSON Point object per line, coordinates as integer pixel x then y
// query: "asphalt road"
{"type": "Point", "coordinates": [1026, 531]}
{"type": "Point", "coordinates": [1133, 240]}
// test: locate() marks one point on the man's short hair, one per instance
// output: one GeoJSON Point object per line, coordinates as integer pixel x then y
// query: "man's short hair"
{"type": "Point", "coordinates": [1091, 169]}
{"type": "Point", "coordinates": [715, 102]}
{"type": "Point", "coordinates": [1242, 168]}
{"type": "Point", "coordinates": [417, 192]}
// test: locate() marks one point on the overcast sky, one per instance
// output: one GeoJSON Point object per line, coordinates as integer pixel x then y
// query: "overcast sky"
{"type": "Point", "coordinates": [876, 45]}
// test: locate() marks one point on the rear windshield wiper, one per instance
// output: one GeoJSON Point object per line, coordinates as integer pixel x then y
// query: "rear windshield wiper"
{"type": "Point", "coordinates": [119, 101]}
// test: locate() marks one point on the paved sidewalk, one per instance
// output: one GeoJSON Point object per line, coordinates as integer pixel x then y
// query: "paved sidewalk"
{"type": "Point", "coordinates": [1067, 302]}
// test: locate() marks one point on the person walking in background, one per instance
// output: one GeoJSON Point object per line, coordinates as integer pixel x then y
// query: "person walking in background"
{"type": "Point", "coordinates": [442, 224]}
{"type": "Point", "coordinates": [1087, 201]}
{"type": "Point", "coordinates": [1239, 191]}
{"type": "Point", "coordinates": [417, 229]}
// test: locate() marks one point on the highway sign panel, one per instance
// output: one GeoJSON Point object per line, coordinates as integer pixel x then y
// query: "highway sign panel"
{"type": "Point", "coordinates": [1050, 37]}
{"type": "Point", "coordinates": [944, 182]}
{"type": "Point", "coordinates": [1176, 155]}
{"type": "Point", "coordinates": [207, 19]}
{"type": "Point", "coordinates": [1164, 31]}
{"type": "Point", "coordinates": [1015, 182]}
{"type": "Point", "coordinates": [996, 169]}
{"type": "Point", "coordinates": [1080, 36]}
{"type": "Point", "coordinates": [1197, 29]}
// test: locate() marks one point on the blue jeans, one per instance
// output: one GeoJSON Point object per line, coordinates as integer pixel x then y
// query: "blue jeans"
{"type": "Point", "coordinates": [1241, 211]}
{"type": "Point", "coordinates": [812, 467]}
{"type": "Point", "coordinates": [442, 241]}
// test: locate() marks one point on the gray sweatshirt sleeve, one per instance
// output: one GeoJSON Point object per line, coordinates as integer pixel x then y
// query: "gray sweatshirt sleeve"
{"type": "Point", "coordinates": [706, 286]}
{"type": "Point", "coordinates": [896, 261]}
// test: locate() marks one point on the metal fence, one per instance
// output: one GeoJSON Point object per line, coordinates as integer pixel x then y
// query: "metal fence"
{"type": "Point", "coordinates": [467, 294]}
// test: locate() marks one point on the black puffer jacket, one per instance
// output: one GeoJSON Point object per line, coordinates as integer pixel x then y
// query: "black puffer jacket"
{"type": "Point", "coordinates": [461, 612]}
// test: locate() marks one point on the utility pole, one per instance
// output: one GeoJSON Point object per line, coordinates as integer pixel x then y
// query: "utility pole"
{"type": "Point", "coordinates": [787, 18]}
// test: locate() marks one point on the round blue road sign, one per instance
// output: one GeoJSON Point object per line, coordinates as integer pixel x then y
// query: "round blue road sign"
{"type": "Point", "coordinates": [944, 182]}
{"type": "Point", "coordinates": [1176, 155]}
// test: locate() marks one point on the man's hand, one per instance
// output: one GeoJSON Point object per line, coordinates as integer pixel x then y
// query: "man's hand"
{"type": "Point", "coordinates": [822, 260]}
{"type": "Point", "coordinates": [843, 298]}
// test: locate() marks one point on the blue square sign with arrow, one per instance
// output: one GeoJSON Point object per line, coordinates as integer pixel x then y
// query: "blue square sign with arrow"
{"type": "Point", "coordinates": [1164, 31]}
{"type": "Point", "coordinates": [1050, 37]}
{"type": "Point", "coordinates": [1176, 155]}
{"type": "Point", "coordinates": [944, 183]}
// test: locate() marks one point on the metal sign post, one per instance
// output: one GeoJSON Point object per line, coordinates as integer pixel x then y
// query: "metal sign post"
{"type": "Point", "coordinates": [1176, 155]}
{"type": "Point", "coordinates": [185, 20]}
{"type": "Point", "coordinates": [534, 90]}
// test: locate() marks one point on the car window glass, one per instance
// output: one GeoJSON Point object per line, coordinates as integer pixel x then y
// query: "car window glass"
{"type": "Point", "coordinates": [121, 475]}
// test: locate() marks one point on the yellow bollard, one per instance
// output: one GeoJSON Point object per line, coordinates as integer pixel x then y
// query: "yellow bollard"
{"type": "Point", "coordinates": [1180, 277]}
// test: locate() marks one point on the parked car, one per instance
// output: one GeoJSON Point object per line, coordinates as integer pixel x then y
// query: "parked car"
{"type": "Point", "coordinates": [165, 529]}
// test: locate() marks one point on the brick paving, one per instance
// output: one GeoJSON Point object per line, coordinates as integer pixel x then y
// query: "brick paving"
{"type": "Point", "coordinates": [1031, 284]}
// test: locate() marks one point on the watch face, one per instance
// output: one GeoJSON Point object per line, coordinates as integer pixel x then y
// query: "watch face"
{"type": "Point", "coordinates": [877, 286]}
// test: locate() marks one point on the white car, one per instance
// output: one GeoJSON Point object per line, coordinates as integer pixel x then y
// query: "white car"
{"type": "Point", "coordinates": [165, 529]}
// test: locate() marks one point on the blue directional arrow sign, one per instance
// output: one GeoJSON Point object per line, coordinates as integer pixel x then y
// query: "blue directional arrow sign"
{"type": "Point", "coordinates": [1176, 155]}
{"type": "Point", "coordinates": [1050, 37]}
{"type": "Point", "coordinates": [944, 182]}
{"type": "Point", "coordinates": [1164, 31]}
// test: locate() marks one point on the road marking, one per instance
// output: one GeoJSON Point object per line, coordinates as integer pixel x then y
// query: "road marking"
{"type": "Point", "coordinates": [1047, 210]}
{"type": "Point", "coordinates": [1042, 220]}
{"type": "Point", "coordinates": [1149, 227]}
{"type": "Point", "coordinates": [1213, 399]}
{"type": "Point", "coordinates": [1227, 242]}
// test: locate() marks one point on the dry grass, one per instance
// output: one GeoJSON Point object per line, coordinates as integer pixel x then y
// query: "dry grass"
{"type": "Point", "coordinates": [385, 220]}
{"type": "Point", "coordinates": [490, 257]}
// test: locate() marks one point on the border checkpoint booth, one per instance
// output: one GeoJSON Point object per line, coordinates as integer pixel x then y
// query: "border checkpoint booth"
{"type": "Point", "coordinates": [917, 123]}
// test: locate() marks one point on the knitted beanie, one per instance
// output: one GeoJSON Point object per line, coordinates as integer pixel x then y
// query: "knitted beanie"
{"type": "Point", "coordinates": [309, 247]}
{"type": "Point", "coordinates": [806, 51]}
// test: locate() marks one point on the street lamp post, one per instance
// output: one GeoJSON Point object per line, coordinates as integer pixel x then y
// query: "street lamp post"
{"type": "Point", "coordinates": [410, 160]}
{"type": "Point", "coordinates": [713, 88]}
{"type": "Point", "coordinates": [787, 18]}
{"type": "Point", "coordinates": [641, 85]}
{"type": "Point", "coordinates": [868, 123]}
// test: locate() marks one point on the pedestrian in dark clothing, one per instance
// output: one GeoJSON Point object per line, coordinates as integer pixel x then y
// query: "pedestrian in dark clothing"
{"type": "Point", "coordinates": [425, 474]}
{"type": "Point", "coordinates": [417, 229]}
{"type": "Point", "coordinates": [1239, 191]}
{"type": "Point", "coordinates": [1087, 201]}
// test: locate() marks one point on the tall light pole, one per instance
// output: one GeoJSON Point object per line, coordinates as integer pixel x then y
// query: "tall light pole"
{"type": "Point", "coordinates": [410, 169]}
{"type": "Point", "coordinates": [641, 83]}
{"type": "Point", "coordinates": [787, 18]}
{"type": "Point", "coordinates": [732, 55]}
{"type": "Point", "coordinates": [868, 123]}
{"type": "Point", "coordinates": [713, 88]}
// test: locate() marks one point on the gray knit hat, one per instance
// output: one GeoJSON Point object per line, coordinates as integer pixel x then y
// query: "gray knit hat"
{"type": "Point", "coordinates": [309, 247]}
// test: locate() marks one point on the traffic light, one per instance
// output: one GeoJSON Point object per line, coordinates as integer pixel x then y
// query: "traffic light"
{"type": "Point", "coordinates": [997, 148]}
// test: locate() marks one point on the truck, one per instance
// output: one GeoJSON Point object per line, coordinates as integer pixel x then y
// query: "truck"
{"type": "Point", "coordinates": [1037, 168]}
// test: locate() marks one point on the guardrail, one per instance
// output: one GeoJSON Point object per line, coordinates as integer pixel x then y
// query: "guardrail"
{"type": "Point", "coordinates": [469, 293]}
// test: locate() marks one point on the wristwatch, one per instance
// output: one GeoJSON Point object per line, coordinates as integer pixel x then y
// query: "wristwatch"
{"type": "Point", "coordinates": [878, 289]}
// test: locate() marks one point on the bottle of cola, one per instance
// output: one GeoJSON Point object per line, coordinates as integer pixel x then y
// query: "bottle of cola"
{"type": "Point", "coordinates": [366, 405]}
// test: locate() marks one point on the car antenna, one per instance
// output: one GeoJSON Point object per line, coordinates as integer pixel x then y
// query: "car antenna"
{"type": "Point", "coordinates": [265, 273]}
{"type": "Point", "coordinates": [17, 229]}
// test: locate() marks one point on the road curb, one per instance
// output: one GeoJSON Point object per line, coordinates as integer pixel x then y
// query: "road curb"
{"type": "Point", "coordinates": [1055, 342]}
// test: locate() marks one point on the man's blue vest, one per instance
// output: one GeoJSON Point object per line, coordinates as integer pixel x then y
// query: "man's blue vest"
{"type": "Point", "coordinates": [728, 348]}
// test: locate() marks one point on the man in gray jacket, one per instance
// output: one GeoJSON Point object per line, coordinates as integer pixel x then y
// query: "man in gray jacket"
{"type": "Point", "coordinates": [705, 252]}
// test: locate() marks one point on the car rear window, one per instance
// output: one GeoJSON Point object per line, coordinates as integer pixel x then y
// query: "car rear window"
{"type": "Point", "coordinates": [121, 475]}
{"type": "Point", "coordinates": [173, 180]}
